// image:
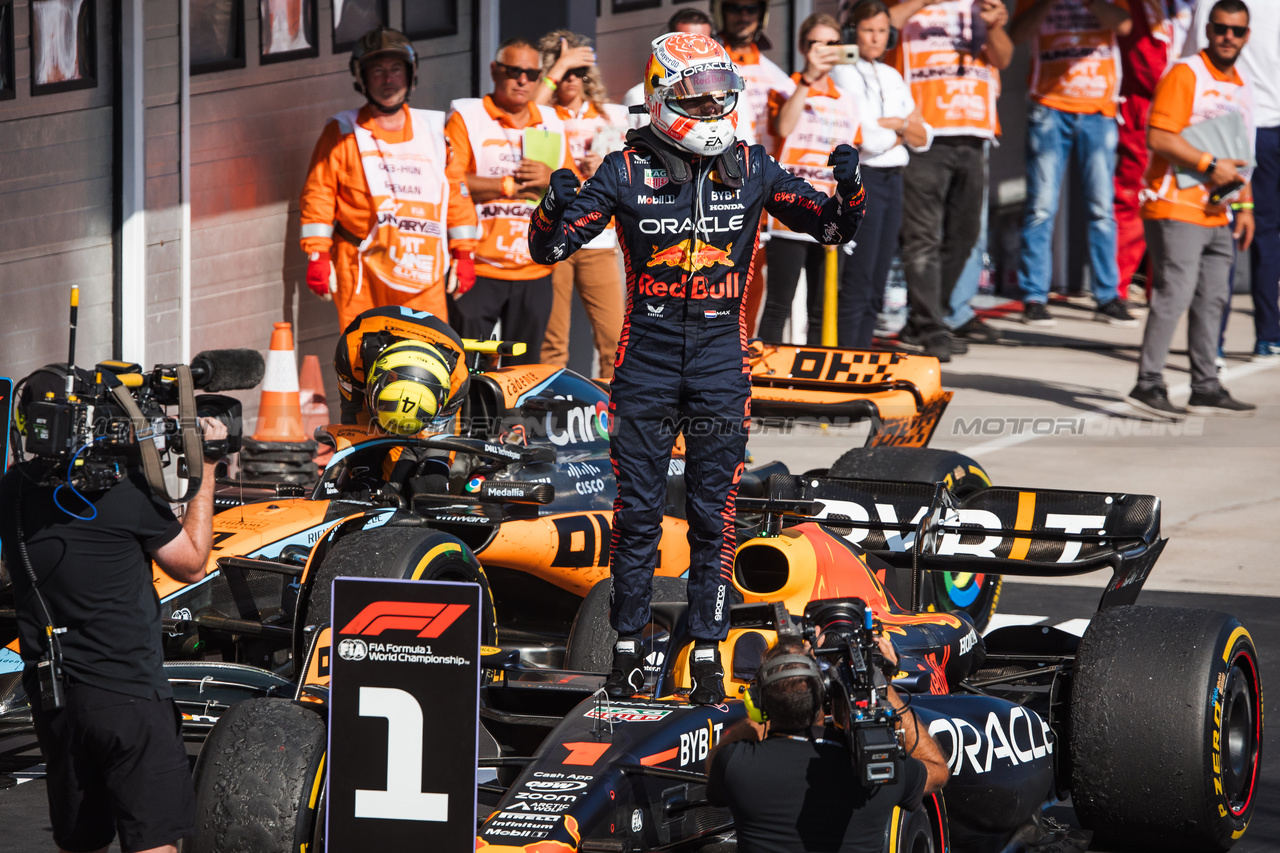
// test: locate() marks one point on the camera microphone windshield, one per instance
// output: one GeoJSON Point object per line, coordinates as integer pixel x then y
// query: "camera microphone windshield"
{"type": "Point", "coordinates": [227, 369]}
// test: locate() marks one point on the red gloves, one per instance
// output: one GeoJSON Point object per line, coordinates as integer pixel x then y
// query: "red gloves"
{"type": "Point", "coordinates": [318, 274]}
{"type": "Point", "coordinates": [462, 274]}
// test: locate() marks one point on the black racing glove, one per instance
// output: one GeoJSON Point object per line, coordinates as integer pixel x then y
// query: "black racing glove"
{"type": "Point", "coordinates": [844, 167]}
{"type": "Point", "coordinates": [560, 192]}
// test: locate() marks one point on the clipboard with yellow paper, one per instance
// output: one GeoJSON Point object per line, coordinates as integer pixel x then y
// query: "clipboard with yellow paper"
{"type": "Point", "coordinates": [543, 146]}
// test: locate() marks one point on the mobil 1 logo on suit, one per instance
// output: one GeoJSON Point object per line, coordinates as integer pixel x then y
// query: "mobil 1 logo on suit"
{"type": "Point", "coordinates": [404, 706]}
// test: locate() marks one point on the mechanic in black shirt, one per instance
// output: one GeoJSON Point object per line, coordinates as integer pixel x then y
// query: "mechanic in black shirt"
{"type": "Point", "coordinates": [114, 753]}
{"type": "Point", "coordinates": [790, 783]}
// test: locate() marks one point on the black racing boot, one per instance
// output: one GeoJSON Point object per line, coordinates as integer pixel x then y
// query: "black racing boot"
{"type": "Point", "coordinates": [706, 674]}
{"type": "Point", "coordinates": [627, 677]}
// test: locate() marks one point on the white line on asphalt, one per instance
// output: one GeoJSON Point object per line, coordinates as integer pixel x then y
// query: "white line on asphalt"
{"type": "Point", "coordinates": [1119, 407]}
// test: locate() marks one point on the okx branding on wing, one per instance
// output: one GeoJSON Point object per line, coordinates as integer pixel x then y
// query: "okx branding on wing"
{"type": "Point", "coordinates": [404, 706]}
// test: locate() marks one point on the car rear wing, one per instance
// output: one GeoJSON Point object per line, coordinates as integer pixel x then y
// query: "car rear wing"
{"type": "Point", "coordinates": [1007, 531]}
{"type": "Point", "coordinates": [901, 395]}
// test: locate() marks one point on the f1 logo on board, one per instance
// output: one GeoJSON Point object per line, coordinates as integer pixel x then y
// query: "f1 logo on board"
{"type": "Point", "coordinates": [429, 620]}
{"type": "Point", "coordinates": [398, 709]}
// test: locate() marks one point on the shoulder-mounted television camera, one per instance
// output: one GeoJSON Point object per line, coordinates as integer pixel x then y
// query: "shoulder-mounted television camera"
{"type": "Point", "coordinates": [90, 425]}
{"type": "Point", "coordinates": [856, 679]}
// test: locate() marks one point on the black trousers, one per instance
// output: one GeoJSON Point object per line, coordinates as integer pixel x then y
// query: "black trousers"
{"type": "Point", "coordinates": [941, 219]}
{"type": "Point", "coordinates": [523, 307]}
{"type": "Point", "coordinates": [786, 258]}
{"type": "Point", "coordinates": [865, 273]}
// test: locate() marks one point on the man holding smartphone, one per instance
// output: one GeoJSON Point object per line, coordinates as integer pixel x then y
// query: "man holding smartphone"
{"type": "Point", "coordinates": [817, 117]}
{"type": "Point", "coordinates": [1189, 231]}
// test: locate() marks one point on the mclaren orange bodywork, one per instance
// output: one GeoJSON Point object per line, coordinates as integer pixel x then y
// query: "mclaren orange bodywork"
{"type": "Point", "coordinates": [903, 392]}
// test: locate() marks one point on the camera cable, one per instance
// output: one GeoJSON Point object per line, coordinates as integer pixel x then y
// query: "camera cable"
{"type": "Point", "coordinates": [93, 511]}
{"type": "Point", "coordinates": [51, 632]}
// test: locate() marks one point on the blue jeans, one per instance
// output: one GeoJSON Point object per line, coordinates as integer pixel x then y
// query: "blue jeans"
{"type": "Point", "coordinates": [1052, 135]}
{"type": "Point", "coordinates": [959, 311]}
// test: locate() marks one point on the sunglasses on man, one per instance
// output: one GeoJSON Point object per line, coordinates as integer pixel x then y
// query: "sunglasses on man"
{"type": "Point", "coordinates": [515, 72]}
{"type": "Point", "coordinates": [1222, 29]}
{"type": "Point", "coordinates": [741, 8]}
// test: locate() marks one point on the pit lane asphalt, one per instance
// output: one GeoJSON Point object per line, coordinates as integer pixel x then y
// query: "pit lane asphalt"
{"type": "Point", "coordinates": [1217, 477]}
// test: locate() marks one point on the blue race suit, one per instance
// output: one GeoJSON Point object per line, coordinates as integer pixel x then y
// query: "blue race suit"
{"type": "Point", "coordinates": [682, 361]}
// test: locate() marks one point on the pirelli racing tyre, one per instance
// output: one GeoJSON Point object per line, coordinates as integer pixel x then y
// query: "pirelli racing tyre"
{"type": "Point", "coordinates": [591, 639]}
{"type": "Point", "coordinates": [400, 552]}
{"type": "Point", "coordinates": [914, 833]}
{"type": "Point", "coordinates": [1165, 729]}
{"type": "Point", "coordinates": [975, 594]}
{"type": "Point", "coordinates": [256, 780]}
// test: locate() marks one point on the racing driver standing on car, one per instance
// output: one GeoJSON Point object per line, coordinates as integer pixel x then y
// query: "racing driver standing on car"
{"type": "Point", "coordinates": [688, 200]}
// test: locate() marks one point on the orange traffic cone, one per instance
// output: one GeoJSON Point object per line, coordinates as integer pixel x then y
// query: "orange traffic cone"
{"type": "Point", "coordinates": [315, 411]}
{"type": "Point", "coordinates": [279, 409]}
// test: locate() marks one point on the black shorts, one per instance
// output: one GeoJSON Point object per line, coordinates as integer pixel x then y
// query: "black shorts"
{"type": "Point", "coordinates": [116, 763]}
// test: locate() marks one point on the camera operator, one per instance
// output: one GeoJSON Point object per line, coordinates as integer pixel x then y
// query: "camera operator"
{"type": "Point", "coordinates": [114, 752]}
{"type": "Point", "coordinates": [790, 783]}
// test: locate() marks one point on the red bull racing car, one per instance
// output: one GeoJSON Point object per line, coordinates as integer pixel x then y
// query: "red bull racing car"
{"type": "Point", "coordinates": [1151, 723]}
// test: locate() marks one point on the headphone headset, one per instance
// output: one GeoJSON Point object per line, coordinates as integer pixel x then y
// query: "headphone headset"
{"type": "Point", "coordinates": [778, 669]}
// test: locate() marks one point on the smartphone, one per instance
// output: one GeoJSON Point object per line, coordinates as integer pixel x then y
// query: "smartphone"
{"type": "Point", "coordinates": [1225, 192]}
{"type": "Point", "coordinates": [848, 54]}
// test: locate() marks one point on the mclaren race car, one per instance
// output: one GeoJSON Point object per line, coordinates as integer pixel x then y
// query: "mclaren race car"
{"type": "Point", "coordinates": [1151, 723]}
{"type": "Point", "coordinates": [526, 515]}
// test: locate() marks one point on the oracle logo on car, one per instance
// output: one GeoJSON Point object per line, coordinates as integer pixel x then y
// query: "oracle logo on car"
{"type": "Point", "coordinates": [429, 620]}
{"type": "Point", "coordinates": [1023, 738]}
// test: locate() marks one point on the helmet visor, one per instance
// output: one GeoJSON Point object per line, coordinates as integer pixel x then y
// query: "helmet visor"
{"type": "Point", "coordinates": [707, 94]}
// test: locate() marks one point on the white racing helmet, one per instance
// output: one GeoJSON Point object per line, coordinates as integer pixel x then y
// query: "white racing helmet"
{"type": "Point", "coordinates": [691, 90]}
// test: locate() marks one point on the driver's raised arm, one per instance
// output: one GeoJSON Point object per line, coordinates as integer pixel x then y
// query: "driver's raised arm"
{"type": "Point", "coordinates": [828, 219]}
{"type": "Point", "coordinates": [564, 222]}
